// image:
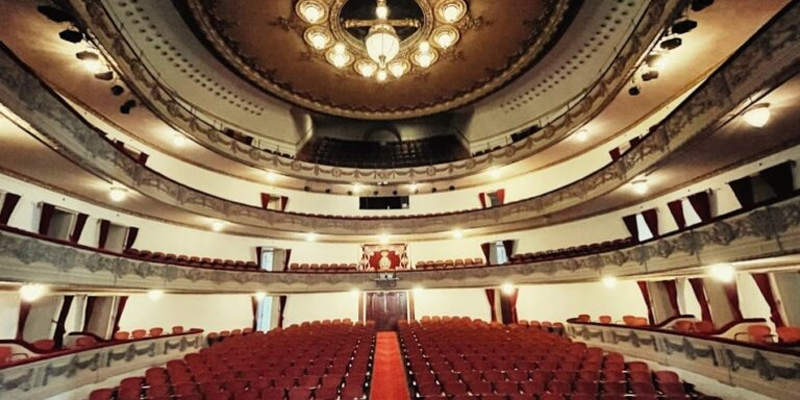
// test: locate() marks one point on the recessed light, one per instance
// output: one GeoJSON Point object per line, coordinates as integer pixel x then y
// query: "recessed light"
{"type": "Point", "coordinates": [179, 140]}
{"type": "Point", "coordinates": [32, 292]}
{"type": "Point", "coordinates": [457, 233]}
{"type": "Point", "coordinates": [117, 194]}
{"type": "Point", "coordinates": [582, 135]}
{"type": "Point", "coordinates": [311, 237]}
{"type": "Point", "coordinates": [384, 239]}
{"type": "Point", "coordinates": [758, 115]}
{"type": "Point", "coordinates": [610, 282]}
{"type": "Point", "coordinates": [640, 186]}
{"type": "Point", "coordinates": [259, 295]}
{"type": "Point", "coordinates": [723, 272]}
{"type": "Point", "coordinates": [507, 288]}
{"type": "Point", "coordinates": [155, 294]}
{"type": "Point", "coordinates": [217, 226]}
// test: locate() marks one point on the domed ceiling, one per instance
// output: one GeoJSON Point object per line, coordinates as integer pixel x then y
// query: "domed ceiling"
{"type": "Point", "coordinates": [312, 53]}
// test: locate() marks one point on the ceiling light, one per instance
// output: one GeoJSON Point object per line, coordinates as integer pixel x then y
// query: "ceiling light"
{"type": "Point", "coordinates": [32, 292]}
{"type": "Point", "coordinates": [381, 11]}
{"type": "Point", "coordinates": [671, 44]}
{"type": "Point", "coordinates": [418, 289]}
{"type": "Point", "coordinates": [582, 135]}
{"type": "Point", "coordinates": [452, 11]}
{"type": "Point", "coordinates": [399, 68]}
{"type": "Point", "coordinates": [217, 226]}
{"type": "Point", "coordinates": [259, 295]}
{"type": "Point", "coordinates": [381, 75]}
{"type": "Point", "coordinates": [155, 295]}
{"type": "Point", "coordinates": [495, 172]}
{"type": "Point", "coordinates": [117, 194]}
{"type": "Point", "coordinates": [383, 44]}
{"type": "Point", "coordinates": [357, 187]}
{"type": "Point", "coordinates": [425, 59]}
{"type": "Point", "coordinates": [657, 61]}
{"type": "Point", "coordinates": [318, 37]}
{"type": "Point", "coordinates": [640, 186]}
{"type": "Point", "coordinates": [94, 66]}
{"type": "Point", "coordinates": [384, 239]}
{"type": "Point", "coordinates": [311, 11]}
{"type": "Point", "coordinates": [71, 35]}
{"type": "Point", "coordinates": [723, 272]}
{"type": "Point", "coordinates": [424, 47]}
{"type": "Point", "coordinates": [445, 37]}
{"type": "Point", "coordinates": [355, 292]}
{"type": "Point", "coordinates": [412, 187]}
{"type": "Point", "coordinates": [339, 56]}
{"type": "Point", "coordinates": [507, 288]}
{"type": "Point", "coordinates": [311, 237]}
{"type": "Point", "coordinates": [610, 281]}
{"type": "Point", "coordinates": [366, 68]}
{"type": "Point", "coordinates": [179, 140]}
{"type": "Point", "coordinates": [457, 234]}
{"type": "Point", "coordinates": [271, 177]}
{"type": "Point", "coordinates": [758, 115]}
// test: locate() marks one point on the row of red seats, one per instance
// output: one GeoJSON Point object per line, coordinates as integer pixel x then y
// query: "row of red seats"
{"type": "Point", "coordinates": [448, 264]}
{"type": "Point", "coordinates": [304, 267]}
{"type": "Point", "coordinates": [575, 251]}
{"type": "Point", "coordinates": [192, 261]}
{"type": "Point", "coordinates": [461, 359]}
{"type": "Point", "coordinates": [313, 361]}
{"type": "Point", "coordinates": [630, 320]}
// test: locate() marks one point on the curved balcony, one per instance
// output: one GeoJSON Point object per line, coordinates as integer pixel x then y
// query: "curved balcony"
{"type": "Point", "coordinates": [710, 107]}
{"type": "Point", "coordinates": [766, 236]}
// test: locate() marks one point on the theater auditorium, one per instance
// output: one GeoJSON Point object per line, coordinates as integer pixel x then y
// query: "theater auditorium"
{"type": "Point", "coordinates": [399, 200]}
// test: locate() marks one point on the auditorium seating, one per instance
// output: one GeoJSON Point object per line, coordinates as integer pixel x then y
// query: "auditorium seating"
{"type": "Point", "coordinates": [450, 264]}
{"type": "Point", "coordinates": [576, 251]}
{"type": "Point", "coordinates": [192, 261]}
{"type": "Point", "coordinates": [463, 359]}
{"type": "Point", "coordinates": [364, 154]}
{"type": "Point", "coordinates": [322, 361]}
{"type": "Point", "coordinates": [333, 267]}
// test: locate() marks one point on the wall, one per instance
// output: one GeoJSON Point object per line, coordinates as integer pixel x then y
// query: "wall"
{"type": "Point", "coordinates": [210, 312]}
{"type": "Point", "coordinates": [452, 302]}
{"type": "Point", "coordinates": [559, 302]}
{"type": "Point", "coordinates": [9, 314]}
{"type": "Point", "coordinates": [787, 289]}
{"type": "Point", "coordinates": [319, 306]}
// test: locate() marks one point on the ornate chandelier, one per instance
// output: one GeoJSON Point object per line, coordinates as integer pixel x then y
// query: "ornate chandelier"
{"type": "Point", "coordinates": [382, 51]}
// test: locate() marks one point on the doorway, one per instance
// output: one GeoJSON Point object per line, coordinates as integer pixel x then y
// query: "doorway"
{"type": "Point", "coordinates": [386, 308]}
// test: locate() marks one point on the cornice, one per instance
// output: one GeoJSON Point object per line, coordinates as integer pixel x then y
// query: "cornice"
{"type": "Point", "coordinates": [162, 102]}
{"type": "Point", "coordinates": [754, 238]}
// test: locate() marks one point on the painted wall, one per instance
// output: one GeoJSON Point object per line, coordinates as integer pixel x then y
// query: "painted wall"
{"type": "Point", "coordinates": [452, 302]}
{"type": "Point", "coordinates": [320, 306]}
{"type": "Point", "coordinates": [559, 302]}
{"type": "Point", "coordinates": [9, 314]}
{"type": "Point", "coordinates": [210, 312]}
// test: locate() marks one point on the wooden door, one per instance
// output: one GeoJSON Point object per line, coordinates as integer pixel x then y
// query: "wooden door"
{"type": "Point", "coordinates": [386, 308]}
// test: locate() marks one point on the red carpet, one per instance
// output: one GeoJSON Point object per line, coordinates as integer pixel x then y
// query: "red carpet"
{"type": "Point", "coordinates": [388, 373]}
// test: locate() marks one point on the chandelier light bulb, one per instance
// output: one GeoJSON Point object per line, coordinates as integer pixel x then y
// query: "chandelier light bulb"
{"type": "Point", "coordinates": [453, 11]}
{"type": "Point", "coordinates": [117, 194]}
{"type": "Point", "coordinates": [425, 59]}
{"type": "Point", "coordinates": [381, 75]}
{"type": "Point", "coordinates": [758, 116]}
{"type": "Point", "coordinates": [312, 12]}
{"type": "Point", "coordinates": [382, 12]}
{"type": "Point", "coordinates": [319, 40]}
{"type": "Point", "coordinates": [339, 48]}
{"type": "Point", "coordinates": [424, 47]}
{"type": "Point", "coordinates": [445, 39]}
{"type": "Point", "coordinates": [339, 60]}
{"type": "Point", "coordinates": [398, 69]}
{"type": "Point", "coordinates": [32, 292]}
{"type": "Point", "coordinates": [383, 44]}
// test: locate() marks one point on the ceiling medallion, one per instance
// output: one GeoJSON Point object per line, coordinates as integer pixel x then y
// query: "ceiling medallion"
{"type": "Point", "coordinates": [381, 40]}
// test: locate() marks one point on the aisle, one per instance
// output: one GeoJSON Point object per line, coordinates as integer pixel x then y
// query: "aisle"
{"type": "Point", "coordinates": [388, 373]}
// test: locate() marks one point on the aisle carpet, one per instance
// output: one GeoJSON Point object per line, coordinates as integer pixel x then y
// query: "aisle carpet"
{"type": "Point", "coordinates": [388, 373]}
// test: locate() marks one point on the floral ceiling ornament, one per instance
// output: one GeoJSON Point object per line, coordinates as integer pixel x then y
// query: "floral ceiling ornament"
{"type": "Point", "coordinates": [388, 41]}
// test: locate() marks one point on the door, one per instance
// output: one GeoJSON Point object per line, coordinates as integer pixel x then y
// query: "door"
{"type": "Point", "coordinates": [386, 308]}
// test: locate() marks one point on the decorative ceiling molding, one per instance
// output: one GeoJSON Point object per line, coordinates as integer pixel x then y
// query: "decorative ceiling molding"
{"type": "Point", "coordinates": [770, 58]}
{"type": "Point", "coordinates": [750, 238]}
{"type": "Point", "coordinates": [168, 107]}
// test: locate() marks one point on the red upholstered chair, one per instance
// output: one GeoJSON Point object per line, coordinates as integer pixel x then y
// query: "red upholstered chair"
{"type": "Point", "coordinates": [605, 319]}
{"type": "Point", "coordinates": [323, 393]}
{"type": "Point", "coordinates": [139, 333]}
{"type": "Point", "coordinates": [5, 354]}
{"type": "Point", "coordinates": [638, 366]}
{"type": "Point", "coordinates": [44, 345]}
{"type": "Point", "coordinates": [122, 335]}
{"type": "Point", "coordinates": [788, 334]}
{"type": "Point", "coordinates": [85, 341]}
{"type": "Point", "coordinates": [218, 396]}
{"type": "Point", "coordinates": [176, 330]}
{"type": "Point", "coordinates": [506, 388]}
{"type": "Point", "coordinates": [761, 334]}
{"type": "Point", "coordinates": [551, 396]}
{"type": "Point", "coordinates": [246, 395]}
{"type": "Point", "coordinates": [584, 318]}
{"type": "Point", "coordinates": [643, 388]}
{"type": "Point", "coordinates": [639, 376]}
{"type": "Point", "coordinates": [299, 393]}
{"type": "Point", "coordinates": [480, 388]}
{"type": "Point", "coordinates": [667, 376]}
{"type": "Point", "coordinates": [272, 394]}
{"type": "Point", "coordinates": [559, 387]}
{"type": "Point", "coordinates": [155, 332]}
{"type": "Point", "coordinates": [101, 394]}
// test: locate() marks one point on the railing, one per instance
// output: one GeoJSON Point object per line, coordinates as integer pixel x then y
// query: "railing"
{"type": "Point", "coordinates": [61, 371]}
{"type": "Point", "coordinates": [769, 370]}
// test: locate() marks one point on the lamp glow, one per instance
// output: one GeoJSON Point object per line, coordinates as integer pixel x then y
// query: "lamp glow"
{"type": "Point", "coordinates": [259, 295]}
{"type": "Point", "coordinates": [458, 234]}
{"type": "Point", "coordinates": [383, 44]}
{"type": "Point", "coordinates": [382, 75]}
{"type": "Point", "coordinates": [412, 187]}
{"type": "Point", "coordinates": [117, 194]}
{"type": "Point", "coordinates": [217, 226]}
{"type": "Point", "coordinates": [357, 188]}
{"type": "Point", "coordinates": [271, 177]}
{"type": "Point", "coordinates": [445, 37]}
{"type": "Point", "coordinates": [640, 186]}
{"type": "Point", "coordinates": [32, 292]}
{"type": "Point", "coordinates": [582, 135]}
{"type": "Point", "coordinates": [723, 272]}
{"type": "Point", "coordinates": [179, 140]}
{"type": "Point", "coordinates": [507, 288]}
{"type": "Point", "coordinates": [319, 40]}
{"type": "Point", "coordinates": [384, 239]}
{"type": "Point", "coordinates": [610, 281]}
{"type": "Point", "coordinates": [382, 12]}
{"type": "Point", "coordinates": [311, 237]}
{"type": "Point", "coordinates": [758, 116]}
{"type": "Point", "coordinates": [311, 11]}
{"type": "Point", "coordinates": [453, 11]}
{"type": "Point", "coordinates": [398, 68]}
{"type": "Point", "coordinates": [366, 68]}
{"type": "Point", "coordinates": [355, 292]}
{"type": "Point", "coordinates": [155, 295]}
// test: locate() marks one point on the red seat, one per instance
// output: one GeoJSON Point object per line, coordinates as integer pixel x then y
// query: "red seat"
{"type": "Point", "coordinates": [299, 393]}
{"type": "Point", "coordinates": [139, 333]}
{"type": "Point", "coordinates": [102, 394]}
{"type": "Point", "coordinates": [44, 345]}
{"type": "Point", "coordinates": [788, 334]}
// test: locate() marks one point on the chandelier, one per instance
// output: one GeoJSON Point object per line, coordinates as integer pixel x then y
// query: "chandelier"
{"type": "Point", "coordinates": [390, 47]}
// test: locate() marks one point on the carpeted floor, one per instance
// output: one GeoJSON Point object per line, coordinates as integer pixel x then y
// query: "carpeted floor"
{"type": "Point", "coordinates": [388, 373]}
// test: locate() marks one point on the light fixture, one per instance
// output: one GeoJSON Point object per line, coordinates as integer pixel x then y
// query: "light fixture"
{"type": "Point", "coordinates": [507, 288]}
{"type": "Point", "coordinates": [271, 176]}
{"type": "Point", "coordinates": [117, 194]}
{"type": "Point", "coordinates": [383, 44]}
{"type": "Point", "coordinates": [382, 11]}
{"type": "Point", "coordinates": [457, 233]}
{"type": "Point", "coordinates": [32, 292]}
{"type": "Point", "coordinates": [399, 68]}
{"type": "Point", "coordinates": [355, 292]}
{"type": "Point", "coordinates": [445, 36]}
{"type": "Point", "coordinates": [179, 140]}
{"type": "Point", "coordinates": [451, 11]}
{"type": "Point", "coordinates": [418, 289]}
{"type": "Point", "coordinates": [311, 11]}
{"type": "Point", "coordinates": [259, 295]}
{"type": "Point", "coordinates": [412, 187]}
{"type": "Point", "coordinates": [723, 272]}
{"type": "Point", "coordinates": [338, 56]}
{"type": "Point", "coordinates": [217, 226]}
{"type": "Point", "coordinates": [357, 188]}
{"type": "Point", "coordinates": [610, 281]}
{"type": "Point", "coordinates": [155, 294]}
{"type": "Point", "coordinates": [582, 135]}
{"type": "Point", "coordinates": [318, 38]}
{"type": "Point", "coordinates": [657, 61]}
{"type": "Point", "coordinates": [425, 55]}
{"type": "Point", "coordinates": [366, 68]}
{"type": "Point", "coordinates": [494, 172]}
{"type": "Point", "coordinates": [382, 75]}
{"type": "Point", "coordinates": [758, 115]}
{"type": "Point", "coordinates": [311, 237]}
{"type": "Point", "coordinates": [640, 186]}
{"type": "Point", "coordinates": [384, 239]}
{"type": "Point", "coordinates": [91, 61]}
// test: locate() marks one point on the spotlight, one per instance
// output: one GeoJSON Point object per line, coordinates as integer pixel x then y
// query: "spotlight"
{"type": "Point", "coordinates": [117, 194]}
{"type": "Point", "coordinates": [700, 5]}
{"type": "Point", "coordinates": [54, 14]}
{"type": "Point", "coordinates": [650, 75]}
{"type": "Point", "coordinates": [357, 188]}
{"type": "Point", "coordinates": [671, 44]}
{"type": "Point", "coordinates": [758, 115]}
{"type": "Point", "coordinates": [271, 177]}
{"type": "Point", "coordinates": [117, 90]}
{"type": "Point", "coordinates": [634, 91]}
{"type": "Point", "coordinates": [126, 107]}
{"type": "Point", "coordinates": [107, 76]}
{"type": "Point", "coordinates": [155, 295]}
{"type": "Point", "coordinates": [507, 288]}
{"type": "Point", "coordinates": [71, 35]}
{"type": "Point", "coordinates": [418, 289]}
{"type": "Point", "coordinates": [610, 282]}
{"type": "Point", "coordinates": [684, 26]}
{"type": "Point", "coordinates": [32, 292]}
{"type": "Point", "coordinates": [723, 272]}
